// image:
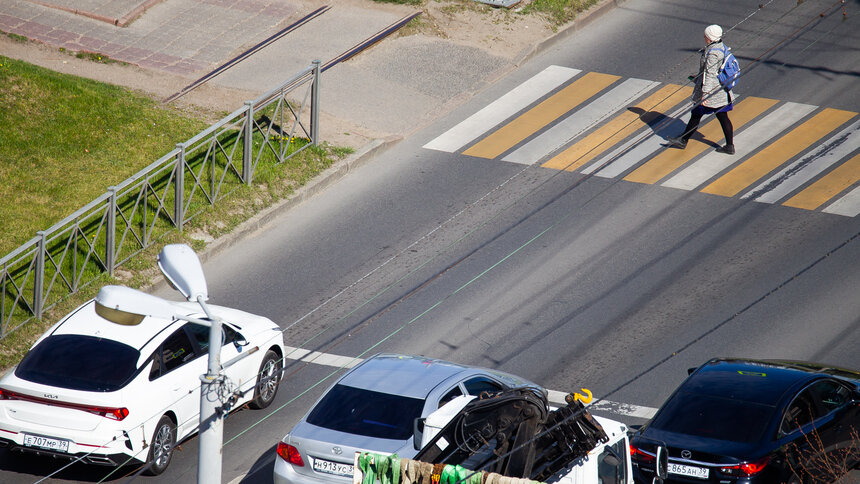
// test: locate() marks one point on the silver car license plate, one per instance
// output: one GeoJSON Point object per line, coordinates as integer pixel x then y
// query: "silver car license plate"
{"type": "Point", "coordinates": [335, 468]}
{"type": "Point", "coordinates": [46, 443]}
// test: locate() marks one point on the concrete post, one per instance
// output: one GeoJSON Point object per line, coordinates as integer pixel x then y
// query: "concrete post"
{"type": "Point", "coordinates": [211, 432]}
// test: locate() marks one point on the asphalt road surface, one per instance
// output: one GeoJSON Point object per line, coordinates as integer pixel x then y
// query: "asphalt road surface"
{"type": "Point", "coordinates": [479, 241]}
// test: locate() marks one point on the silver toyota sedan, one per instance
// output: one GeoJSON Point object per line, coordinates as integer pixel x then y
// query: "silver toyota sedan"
{"type": "Point", "coordinates": [373, 408]}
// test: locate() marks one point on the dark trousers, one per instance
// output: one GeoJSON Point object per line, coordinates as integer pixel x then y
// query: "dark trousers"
{"type": "Point", "coordinates": [722, 117]}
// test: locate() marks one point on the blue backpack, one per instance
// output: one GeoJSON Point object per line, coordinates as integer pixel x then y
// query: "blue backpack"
{"type": "Point", "coordinates": [730, 71]}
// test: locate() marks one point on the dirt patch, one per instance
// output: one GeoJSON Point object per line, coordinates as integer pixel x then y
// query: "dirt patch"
{"type": "Point", "coordinates": [503, 32]}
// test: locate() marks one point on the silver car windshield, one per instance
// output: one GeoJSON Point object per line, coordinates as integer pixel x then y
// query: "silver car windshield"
{"type": "Point", "coordinates": [366, 412]}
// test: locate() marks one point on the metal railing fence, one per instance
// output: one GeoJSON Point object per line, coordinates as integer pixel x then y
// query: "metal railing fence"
{"type": "Point", "coordinates": [162, 197]}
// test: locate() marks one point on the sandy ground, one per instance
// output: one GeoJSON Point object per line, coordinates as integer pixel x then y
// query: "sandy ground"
{"type": "Point", "coordinates": [463, 23]}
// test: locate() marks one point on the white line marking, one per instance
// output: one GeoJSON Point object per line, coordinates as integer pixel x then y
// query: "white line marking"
{"type": "Point", "coordinates": [324, 359]}
{"type": "Point", "coordinates": [580, 121]}
{"type": "Point", "coordinates": [829, 153]}
{"type": "Point", "coordinates": [849, 205]}
{"type": "Point", "coordinates": [747, 141]}
{"type": "Point", "coordinates": [503, 108]}
{"type": "Point", "coordinates": [555, 397]}
{"type": "Point", "coordinates": [640, 147]}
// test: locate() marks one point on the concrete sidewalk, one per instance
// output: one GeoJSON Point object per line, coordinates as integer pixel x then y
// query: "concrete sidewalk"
{"type": "Point", "coordinates": [392, 89]}
{"type": "Point", "coordinates": [184, 37]}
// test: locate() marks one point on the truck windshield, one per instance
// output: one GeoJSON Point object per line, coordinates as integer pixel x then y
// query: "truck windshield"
{"type": "Point", "coordinates": [368, 413]}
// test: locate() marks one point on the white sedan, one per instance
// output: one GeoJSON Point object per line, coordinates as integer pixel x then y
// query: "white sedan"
{"type": "Point", "coordinates": [103, 393]}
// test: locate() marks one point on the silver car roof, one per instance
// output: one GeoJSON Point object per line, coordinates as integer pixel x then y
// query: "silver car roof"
{"type": "Point", "coordinates": [410, 376]}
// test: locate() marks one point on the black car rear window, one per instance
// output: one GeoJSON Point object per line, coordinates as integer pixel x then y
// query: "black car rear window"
{"type": "Point", "coordinates": [79, 362]}
{"type": "Point", "coordinates": [367, 413]}
{"type": "Point", "coordinates": [714, 417]}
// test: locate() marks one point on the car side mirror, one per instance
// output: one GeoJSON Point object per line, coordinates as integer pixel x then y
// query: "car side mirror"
{"type": "Point", "coordinates": [240, 343]}
{"type": "Point", "coordinates": [611, 460]}
{"type": "Point", "coordinates": [417, 432]}
{"type": "Point", "coordinates": [662, 463]}
{"type": "Point", "coordinates": [691, 370]}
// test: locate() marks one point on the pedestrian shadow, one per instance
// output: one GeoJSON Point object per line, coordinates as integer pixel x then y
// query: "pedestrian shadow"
{"type": "Point", "coordinates": [666, 126]}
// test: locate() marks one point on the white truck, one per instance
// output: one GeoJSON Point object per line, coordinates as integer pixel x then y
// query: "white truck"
{"type": "Point", "coordinates": [514, 434]}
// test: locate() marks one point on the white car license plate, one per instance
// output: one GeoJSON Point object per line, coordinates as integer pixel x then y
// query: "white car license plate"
{"type": "Point", "coordinates": [700, 472]}
{"type": "Point", "coordinates": [335, 468]}
{"type": "Point", "coordinates": [46, 443]}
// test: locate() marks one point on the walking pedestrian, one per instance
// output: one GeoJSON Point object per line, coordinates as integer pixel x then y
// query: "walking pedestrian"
{"type": "Point", "coordinates": [709, 96]}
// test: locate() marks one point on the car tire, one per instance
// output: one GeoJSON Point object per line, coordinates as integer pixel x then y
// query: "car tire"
{"type": "Point", "coordinates": [268, 379]}
{"type": "Point", "coordinates": [161, 447]}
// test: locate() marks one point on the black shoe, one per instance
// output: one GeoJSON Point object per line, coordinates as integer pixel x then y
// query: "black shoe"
{"type": "Point", "coordinates": [727, 149]}
{"type": "Point", "coordinates": [678, 142]}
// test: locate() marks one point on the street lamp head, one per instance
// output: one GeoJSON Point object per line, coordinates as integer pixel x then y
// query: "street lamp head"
{"type": "Point", "coordinates": [127, 306]}
{"type": "Point", "coordinates": [183, 271]}
{"type": "Point", "coordinates": [117, 316]}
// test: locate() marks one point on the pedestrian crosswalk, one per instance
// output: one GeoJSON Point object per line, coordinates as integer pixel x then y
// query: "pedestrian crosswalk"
{"type": "Point", "coordinates": [794, 154]}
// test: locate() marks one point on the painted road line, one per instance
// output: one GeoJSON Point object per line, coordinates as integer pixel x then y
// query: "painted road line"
{"type": "Point", "coordinates": [805, 169]}
{"type": "Point", "coordinates": [583, 120]}
{"type": "Point", "coordinates": [749, 140]}
{"type": "Point", "coordinates": [541, 115]}
{"type": "Point", "coordinates": [849, 205]}
{"type": "Point", "coordinates": [828, 186]}
{"type": "Point", "coordinates": [648, 112]}
{"type": "Point", "coordinates": [503, 108]}
{"type": "Point", "coordinates": [641, 146]}
{"type": "Point", "coordinates": [625, 409]}
{"type": "Point", "coordinates": [778, 152]}
{"type": "Point", "coordinates": [670, 160]}
{"type": "Point", "coordinates": [324, 359]}
{"type": "Point", "coordinates": [555, 397]}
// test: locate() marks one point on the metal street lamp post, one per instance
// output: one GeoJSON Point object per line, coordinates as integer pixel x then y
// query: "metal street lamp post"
{"type": "Point", "coordinates": [123, 305]}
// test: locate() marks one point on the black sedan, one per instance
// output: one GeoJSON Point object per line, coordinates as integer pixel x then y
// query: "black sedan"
{"type": "Point", "coordinates": [748, 421]}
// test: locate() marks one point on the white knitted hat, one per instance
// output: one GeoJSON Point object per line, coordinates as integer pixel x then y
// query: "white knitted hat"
{"type": "Point", "coordinates": [714, 32]}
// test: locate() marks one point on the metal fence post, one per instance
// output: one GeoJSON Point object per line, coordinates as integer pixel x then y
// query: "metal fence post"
{"type": "Point", "coordinates": [248, 146]}
{"type": "Point", "coordinates": [145, 208]}
{"type": "Point", "coordinates": [315, 104]}
{"type": "Point", "coordinates": [179, 187]}
{"type": "Point", "coordinates": [39, 276]}
{"type": "Point", "coordinates": [110, 234]}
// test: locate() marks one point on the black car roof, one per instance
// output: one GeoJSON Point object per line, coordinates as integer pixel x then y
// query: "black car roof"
{"type": "Point", "coordinates": [761, 381]}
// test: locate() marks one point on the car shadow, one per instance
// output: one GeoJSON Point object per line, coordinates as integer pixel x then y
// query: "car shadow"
{"type": "Point", "coordinates": [261, 470]}
{"type": "Point", "coordinates": [26, 464]}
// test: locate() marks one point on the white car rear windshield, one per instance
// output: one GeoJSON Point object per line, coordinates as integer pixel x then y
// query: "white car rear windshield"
{"type": "Point", "coordinates": [368, 413]}
{"type": "Point", "coordinates": [78, 362]}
